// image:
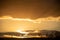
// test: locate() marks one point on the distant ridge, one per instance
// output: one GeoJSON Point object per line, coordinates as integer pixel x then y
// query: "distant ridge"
{"type": "Point", "coordinates": [48, 33]}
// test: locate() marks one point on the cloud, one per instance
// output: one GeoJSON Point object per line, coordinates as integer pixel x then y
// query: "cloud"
{"type": "Point", "coordinates": [49, 19]}
{"type": "Point", "coordinates": [8, 23]}
{"type": "Point", "coordinates": [27, 19]}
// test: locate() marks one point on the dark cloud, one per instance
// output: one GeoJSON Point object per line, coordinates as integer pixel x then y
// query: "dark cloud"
{"type": "Point", "coordinates": [30, 8]}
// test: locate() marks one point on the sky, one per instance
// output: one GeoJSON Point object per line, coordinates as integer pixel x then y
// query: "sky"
{"type": "Point", "coordinates": [30, 8]}
{"type": "Point", "coordinates": [10, 24]}
{"type": "Point", "coordinates": [34, 14]}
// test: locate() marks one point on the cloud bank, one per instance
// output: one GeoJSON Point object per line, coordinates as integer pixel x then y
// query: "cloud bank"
{"type": "Point", "coordinates": [8, 23]}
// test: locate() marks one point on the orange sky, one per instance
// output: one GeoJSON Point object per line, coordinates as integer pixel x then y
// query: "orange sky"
{"type": "Point", "coordinates": [9, 24]}
{"type": "Point", "coordinates": [30, 8]}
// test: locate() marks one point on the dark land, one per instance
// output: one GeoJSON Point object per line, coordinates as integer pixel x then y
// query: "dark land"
{"type": "Point", "coordinates": [32, 34]}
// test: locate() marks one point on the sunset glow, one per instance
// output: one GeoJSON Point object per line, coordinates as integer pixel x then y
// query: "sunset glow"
{"type": "Point", "coordinates": [27, 19]}
{"type": "Point", "coordinates": [13, 24]}
{"type": "Point", "coordinates": [22, 32]}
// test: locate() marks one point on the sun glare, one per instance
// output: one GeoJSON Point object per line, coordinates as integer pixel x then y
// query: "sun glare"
{"type": "Point", "coordinates": [18, 31]}
{"type": "Point", "coordinates": [22, 32]}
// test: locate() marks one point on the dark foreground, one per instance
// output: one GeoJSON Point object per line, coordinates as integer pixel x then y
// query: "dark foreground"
{"type": "Point", "coordinates": [29, 39]}
{"type": "Point", "coordinates": [31, 34]}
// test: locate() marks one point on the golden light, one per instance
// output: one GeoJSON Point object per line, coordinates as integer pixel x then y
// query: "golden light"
{"type": "Point", "coordinates": [36, 31]}
{"type": "Point", "coordinates": [22, 32]}
{"type": "Point", "coordinates": [6, 17]}
{"type": "Point", "coordinates": [11, 24]}
{"type": "Point", "coordinates": [7, 35]}
{"type": "Point", "coordinates": [18, 31]}
{"type": "Point", "coordinates": [48, 19]}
